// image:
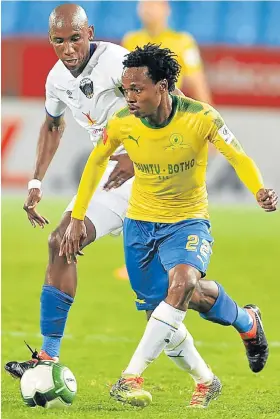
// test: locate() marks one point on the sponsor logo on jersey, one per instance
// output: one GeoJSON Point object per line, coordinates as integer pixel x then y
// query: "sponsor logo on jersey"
{"type": "Point", "coordinates": [130, 137]}
{"type": "Point", "coordinates": [89, 118]}
{"type": "Point", "coordinates": [86, 86]}
{"type": "Point", "coordinates": [176, 141]}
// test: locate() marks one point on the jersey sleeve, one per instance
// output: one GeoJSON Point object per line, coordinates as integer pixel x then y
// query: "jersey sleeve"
{"type": "Point", "coordinates": [94, 169]}
{"type": "Point", "coordinates": [54, 106]}
{"type": "Point", "coordinates": [115, 64]}
{"type": "Point", "coordinates": [226, 143]}
{"type": "Point", "coordinates": [192, 62]}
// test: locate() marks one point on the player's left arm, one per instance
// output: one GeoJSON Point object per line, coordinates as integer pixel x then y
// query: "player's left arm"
{"type": "Point", "coordinates": [92, 174]}
{"type": "Point", "coordinates": [246, 169]}
{"type": "Point", "coordinates": [193, 72]}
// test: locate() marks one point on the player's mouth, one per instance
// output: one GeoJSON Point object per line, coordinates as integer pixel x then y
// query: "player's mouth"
{"type": "Point", "coordinates": [133, 108]}
{"type": "Point", "coordinates": [71, 62]}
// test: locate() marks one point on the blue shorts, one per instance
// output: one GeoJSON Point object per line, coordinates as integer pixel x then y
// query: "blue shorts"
{"type": "Point", "coordinates": [152, 249]}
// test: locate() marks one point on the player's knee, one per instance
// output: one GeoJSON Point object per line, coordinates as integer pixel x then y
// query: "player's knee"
{"type": "Point", "coordinates": [183, 281]}
{"type": "Point", "coordinates": [54, 241]}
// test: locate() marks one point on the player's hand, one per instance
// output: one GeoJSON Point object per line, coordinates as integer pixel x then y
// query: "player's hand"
{"type": "Point", "coordinates": [123, 171]}
{"type": "Point", "coordinates": [267, 199]}
{"type": "Point", "coordinates": [72, 240]}
{"type": "Point", "coordinates": [34, 197]}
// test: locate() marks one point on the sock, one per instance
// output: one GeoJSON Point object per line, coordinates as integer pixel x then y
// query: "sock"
{"type": "Point", "coordinates": [55, 306]}
{"type": "Point", "coordinates": [244, 321]}
{"type": "Point", "coordinates": [182, 351]}
{"type": "Point", "coordinates": [226, 312]}
{"type": "Point", "coordinates": [159, 331]}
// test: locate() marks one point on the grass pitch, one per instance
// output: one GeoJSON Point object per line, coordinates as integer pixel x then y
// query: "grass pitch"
{"type": "Point", "coordinates": [104, 328]}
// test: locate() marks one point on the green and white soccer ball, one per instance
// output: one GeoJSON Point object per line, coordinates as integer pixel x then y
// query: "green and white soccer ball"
{"type": "Point", "coordinates": [48, 385]}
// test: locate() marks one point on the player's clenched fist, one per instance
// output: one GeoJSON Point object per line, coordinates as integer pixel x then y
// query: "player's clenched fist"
{"type": "Point", "coordinates": [267, 199]}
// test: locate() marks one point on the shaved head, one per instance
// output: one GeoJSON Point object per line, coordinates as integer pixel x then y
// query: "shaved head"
{"type": "Point", "coordinates": [68, 15]}
{"type": "Point", "coordinates": [70, 36]}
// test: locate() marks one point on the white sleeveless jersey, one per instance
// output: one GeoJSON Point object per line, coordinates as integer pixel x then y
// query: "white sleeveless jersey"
{"type": "Point", "coordinates": [94, 95]}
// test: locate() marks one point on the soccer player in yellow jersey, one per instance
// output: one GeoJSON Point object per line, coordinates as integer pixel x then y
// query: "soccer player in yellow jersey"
{"type": "Point", "coordinates": [154, 16]}
{"type": "Point", "coordinates": [167, 237]}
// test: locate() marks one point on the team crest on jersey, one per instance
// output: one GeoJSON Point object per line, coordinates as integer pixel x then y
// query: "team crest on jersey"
{"type": "Point", "coordinates": [176, 141]}
{"type": "Point", "coordinates": [86, 86]}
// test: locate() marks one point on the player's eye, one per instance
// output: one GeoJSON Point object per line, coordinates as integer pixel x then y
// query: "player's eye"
{"type": "Point", "coordinates": [75, 38]}
{"type": "Point", "coordinates": [57, 40]}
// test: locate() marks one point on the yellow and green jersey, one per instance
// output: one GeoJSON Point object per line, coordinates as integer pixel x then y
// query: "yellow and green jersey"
{"type": "Point", "coordinates": [182, 44]}
{"type": "Point", "coordinates": [170, 162]}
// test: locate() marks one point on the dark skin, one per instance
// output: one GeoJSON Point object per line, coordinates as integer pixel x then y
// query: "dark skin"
{"type": "Point", "coordinates": [150, 100]}
{"type": "Point", "coordinates": [71, 44]}
{"type": "Point", "coordinates": [70, 37]}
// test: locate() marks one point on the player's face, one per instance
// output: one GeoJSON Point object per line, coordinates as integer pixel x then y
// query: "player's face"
{"type": "Point", "coordinates": [143, 96]}
{"type": "Point", "coordinates": [153, 11]}
{"type": "Point", "coordinates": [71, 44]}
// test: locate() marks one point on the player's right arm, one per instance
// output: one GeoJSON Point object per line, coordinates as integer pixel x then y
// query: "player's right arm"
{"type": "Point", "coordinates": [92, 174]}
{"type": "Point", "coordinates": [48, 142]}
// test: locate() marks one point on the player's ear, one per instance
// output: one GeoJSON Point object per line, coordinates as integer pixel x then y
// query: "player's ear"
{"type": "Point", "coordinates": [91, 33]}
{"type": "Point", "coordinates": [163, 85]}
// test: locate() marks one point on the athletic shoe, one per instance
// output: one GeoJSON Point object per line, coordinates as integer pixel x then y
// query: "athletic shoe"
{"type": "Point", "coordinates": [255, 341]}
{"type": "Point", "coordinates": [205, 393]}
{"type": "Point", "coordinates": [129, 390]}
{"type": "Point", "coordinates": [17, 369]}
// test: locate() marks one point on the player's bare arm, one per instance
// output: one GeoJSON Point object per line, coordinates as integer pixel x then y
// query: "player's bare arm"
{"type": "Point", "coordinates": [49, 139]}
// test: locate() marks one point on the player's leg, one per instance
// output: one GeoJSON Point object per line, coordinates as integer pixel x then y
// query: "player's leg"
{"type": "Point", "coordinates": [59, 289]}
{"type": "Point", "coordinates": [215, 305]}
{"type": "Point", "coordinates": [182, 351]}
{"type": "Point", "coordinates": [180, 257]}
{"type": "Point", "coordinates": [141, 261]}
{"type": "Point", "coordinates": [149, 281]}
{"type": "Point", "coordinates": [60, 283]}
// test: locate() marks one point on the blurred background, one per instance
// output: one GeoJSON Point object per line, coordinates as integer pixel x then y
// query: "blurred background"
{"type": "Point", "coordinates": [239, 43]}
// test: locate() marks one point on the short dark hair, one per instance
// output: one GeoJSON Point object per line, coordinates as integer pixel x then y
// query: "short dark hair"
{"type": "Point", "coordinates": [161, 63]}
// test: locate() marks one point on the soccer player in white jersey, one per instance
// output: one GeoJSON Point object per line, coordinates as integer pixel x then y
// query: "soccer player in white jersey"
{"type": "Point", "coordinates": [86, 79]}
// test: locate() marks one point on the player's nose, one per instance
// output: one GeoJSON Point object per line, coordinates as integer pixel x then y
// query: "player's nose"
{"type": "Point", "coordinates": [131, 97]}
{"type": "Point", "coordinates": [68, 48]}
